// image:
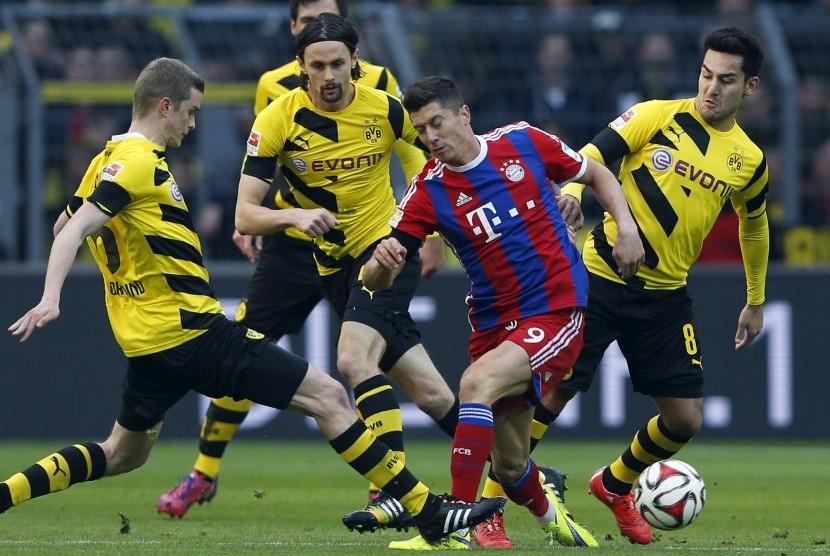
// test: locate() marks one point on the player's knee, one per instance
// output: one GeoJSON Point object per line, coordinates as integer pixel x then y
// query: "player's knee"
{"type": "Point", "coordinates": [333, 396]}
{"type": "Point", "coordinates": [473, 388]}
{"type": "Point", "coordinates": [355, 367]}
{"type": "Point", "coordinates": [435, 402]}
{"type": "Point", "coordinates": [686, 423]}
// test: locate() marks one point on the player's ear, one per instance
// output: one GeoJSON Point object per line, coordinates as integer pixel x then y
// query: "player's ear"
{"type": "Point", "coordinates": [301, 63]}
{"type": "Point", "coordinates": [751, 85]}
{"type": "Point", "coordinates": [355, 57]}
{"type": "Point", "coordinates": [465, 114]}
{"type": "Point", "coordinates": [164, 106]}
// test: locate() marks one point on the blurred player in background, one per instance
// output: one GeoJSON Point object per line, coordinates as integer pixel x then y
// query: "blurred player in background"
{"type": "Point", "coordinates": [491, 197]}
{"type": "Point", "coordinates": [681, 161]}
{"type": "Point", "coordinates": [285, 286]}
{"type": "Point", "coordinates": [170, 326]}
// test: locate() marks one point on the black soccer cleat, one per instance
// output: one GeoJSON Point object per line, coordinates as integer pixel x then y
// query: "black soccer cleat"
{"type": "Point", "coordinates": [384, 512]}
{"type": "Point", "coordinates": [454, 514]}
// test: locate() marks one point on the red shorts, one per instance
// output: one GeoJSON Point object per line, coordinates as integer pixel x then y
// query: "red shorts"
{"type": "Point", "coordinates": [552, 342]}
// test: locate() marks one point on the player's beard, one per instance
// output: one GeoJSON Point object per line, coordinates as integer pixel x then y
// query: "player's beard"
{"type": "Point", "coordinates": [332, 96]}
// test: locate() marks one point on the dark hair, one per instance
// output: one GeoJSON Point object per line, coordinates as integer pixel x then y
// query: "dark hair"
{"type": "Point", "coordinates": [164, 77]}
{"type": "Point", "coordinates": [294, 6]}
{"type": "Point", "coordinates": [434, 88]}
{"type": "Point", "coordinates": [328, 27]}
{"type": "Point", "coordinates": [731, 40]}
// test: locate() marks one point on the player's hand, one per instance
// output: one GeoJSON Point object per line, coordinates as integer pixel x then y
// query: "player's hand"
{"type": "Point", "coordinates": [37, 317]}
{"type": "Point", "coordinates": [750, 324]}
{"type": "Point", "coordinates": [571, 211]}
{"type": "Point", "coordinates": [251, 246]}
{"type": "Point", "coordinates": [628, 251]}
{"type": "Point", "coordinates": [313, 222]}
{"type": "Point", "coordinates": [571, 234]}
{"type": "Point", "coordinates": [432, 256]}
{"type": "Point", "coordinates": [390, 254]}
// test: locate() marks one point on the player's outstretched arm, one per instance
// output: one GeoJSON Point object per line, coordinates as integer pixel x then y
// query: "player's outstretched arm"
{"type": "Point", "coordinates": [86, 220]}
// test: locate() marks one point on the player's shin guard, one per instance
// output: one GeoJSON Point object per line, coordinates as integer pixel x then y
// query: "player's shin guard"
{"type": "Point", "coordinates": [55, 472]}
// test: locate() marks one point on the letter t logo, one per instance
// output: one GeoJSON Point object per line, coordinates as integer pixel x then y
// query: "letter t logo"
{"type": "Point", "coordinates": [485, 223]}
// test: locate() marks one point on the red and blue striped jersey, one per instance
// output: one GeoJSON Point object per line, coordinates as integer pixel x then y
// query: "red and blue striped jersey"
{"type": "Point", "coordinates": [499, 215]}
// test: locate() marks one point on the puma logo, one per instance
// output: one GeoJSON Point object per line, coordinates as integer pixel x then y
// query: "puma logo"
{"type": "Point", "coordinates": [57, 463]}
{"type": "Point", "coordinates": [674, 131]}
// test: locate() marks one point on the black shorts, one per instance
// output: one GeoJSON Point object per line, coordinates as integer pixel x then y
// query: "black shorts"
{"type": "Point", "coordinates": [654, 331]}
{"type": "Point", "coordinates": [227, 360]}
{"type": "Point", "coordinates": [283, 290]}
{"type": "Point", "coordinates": [386, 311]}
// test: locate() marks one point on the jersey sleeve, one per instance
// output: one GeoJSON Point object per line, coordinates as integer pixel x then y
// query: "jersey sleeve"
{"type": "Point", "coordinates": [753, 232]}
{"type": "Point", "coordinates": [562, 163]}
{"type": "Point", "coordinates": [264, 145]}
{"type": "Point", "coordinates": [415, 214]}
{"type": "Point", "coordinates": [636, 126]}
{"type": "Point", "coordinates": [127, 176]}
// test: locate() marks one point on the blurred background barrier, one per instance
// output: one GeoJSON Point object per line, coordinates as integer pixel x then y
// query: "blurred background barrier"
{"type": "Point", "coordinates": [67, 68]}
{"type": "Point", "coordinates": [775, 388]}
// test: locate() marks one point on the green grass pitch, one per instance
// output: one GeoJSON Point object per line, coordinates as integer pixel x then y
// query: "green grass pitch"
{"type": "Point", "coordinates": [287, 498]}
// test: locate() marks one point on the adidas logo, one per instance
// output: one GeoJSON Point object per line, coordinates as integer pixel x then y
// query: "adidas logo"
{"type": "Point", "coordinates": [463, 199]}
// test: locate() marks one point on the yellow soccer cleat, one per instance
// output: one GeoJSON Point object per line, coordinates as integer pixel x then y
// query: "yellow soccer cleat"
{"type": "Point", "coordinates": [563, 529]}
{"type": "Point", "coordinates": [454, 541]}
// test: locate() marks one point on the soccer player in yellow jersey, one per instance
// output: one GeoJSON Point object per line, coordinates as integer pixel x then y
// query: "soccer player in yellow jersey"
{"type": "Point", "coordinates": [285, 286]}
{"type": "Point", "coordinates": [681, 161]}
{"type": "Point", "coordinates": [169, 324]}
{"type": "Point", "coordinates": [332, 140]}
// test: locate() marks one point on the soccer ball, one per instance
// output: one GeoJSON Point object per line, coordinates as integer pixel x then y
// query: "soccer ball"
{"type": "Point", "coordinates": [669, 494]}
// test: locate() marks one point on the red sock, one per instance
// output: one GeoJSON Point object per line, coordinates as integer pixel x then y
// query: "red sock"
{"type": "Point", "coordinates": [527, 491]}
{"type": "Point", "coordinates": [470, 448]}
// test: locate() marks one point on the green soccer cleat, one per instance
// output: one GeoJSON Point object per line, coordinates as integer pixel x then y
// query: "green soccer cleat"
{"type": "Point", "coordinates": [563, 529]}
{"type": "Point", "coordinates": [454, 541]}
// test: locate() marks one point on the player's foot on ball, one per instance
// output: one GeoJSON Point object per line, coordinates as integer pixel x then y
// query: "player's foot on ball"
{"type": "Point", "coordinates": [631, 523]}
{"type": "Point", "coordinates": [193, 488]}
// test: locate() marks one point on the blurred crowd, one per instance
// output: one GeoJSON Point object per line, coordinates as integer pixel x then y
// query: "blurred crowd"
{"type": "Point", "coordinates": [578, 66]}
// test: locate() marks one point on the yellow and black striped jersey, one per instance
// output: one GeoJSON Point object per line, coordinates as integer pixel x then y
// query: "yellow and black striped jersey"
{"type": "Point", "coordinates": [156, 287]}
{"type": "Point", "coordinates": [338, 161]}
{"type": "Point", "coordinates": [677, 172]}
{"type": "Point", "coordinates": [276, 82]}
